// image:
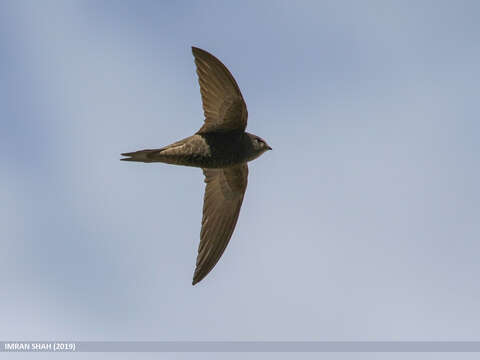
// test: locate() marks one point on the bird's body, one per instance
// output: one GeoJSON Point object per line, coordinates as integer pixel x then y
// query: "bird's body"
{"type": "Point", "coordinates": [222, 149]}
{"type": "Point", "coordinates": [209, 151]}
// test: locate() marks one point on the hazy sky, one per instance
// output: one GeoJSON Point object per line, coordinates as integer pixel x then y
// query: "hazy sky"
{"type": "Point", "coordinates": [361, 224]}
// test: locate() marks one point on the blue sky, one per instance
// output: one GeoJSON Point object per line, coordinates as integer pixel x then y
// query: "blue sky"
{"type": "Point", "coordinates": [362, 224]}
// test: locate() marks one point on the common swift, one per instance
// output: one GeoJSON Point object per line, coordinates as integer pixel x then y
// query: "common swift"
{"type": "Point", "coordinates": [222, 149]}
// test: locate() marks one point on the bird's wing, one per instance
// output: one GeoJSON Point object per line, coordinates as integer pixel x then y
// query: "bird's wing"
{"type": "Point", "coordinates": [223, 104]}
{"type": "Point", "coordinates": [221, 206]}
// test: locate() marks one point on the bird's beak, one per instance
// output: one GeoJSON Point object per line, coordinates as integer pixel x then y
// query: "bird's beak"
{"type": "Point", "coordinates": [269, 148]}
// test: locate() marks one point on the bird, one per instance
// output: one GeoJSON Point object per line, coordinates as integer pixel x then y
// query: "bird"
{"type": "Point", "coordinates": [221, 148]}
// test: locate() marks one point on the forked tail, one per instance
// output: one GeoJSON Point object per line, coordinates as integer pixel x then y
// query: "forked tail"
{"type": "Point", "coordinates": [145, 156]}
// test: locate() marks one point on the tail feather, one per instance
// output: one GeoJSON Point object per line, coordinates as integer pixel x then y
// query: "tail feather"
{"type": "Point", "coordinates": [145, 156]}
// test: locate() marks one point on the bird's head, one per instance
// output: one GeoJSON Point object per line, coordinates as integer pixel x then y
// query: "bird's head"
{"type": "Point", "coordinates": [259, 146]}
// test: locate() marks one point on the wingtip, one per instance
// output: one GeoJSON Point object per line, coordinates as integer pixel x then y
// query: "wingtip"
{"type": "Point", "coordinates": [196, 278]}
{"type": "Point", "coordinates": [197, 51]}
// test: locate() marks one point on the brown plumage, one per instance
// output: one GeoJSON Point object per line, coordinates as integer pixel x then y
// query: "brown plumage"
{"type": "Point", "coordinates": [221, 148]}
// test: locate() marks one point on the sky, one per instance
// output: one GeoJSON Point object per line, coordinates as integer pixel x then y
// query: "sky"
{"type": "Point", "coordinates": [361, 225]}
